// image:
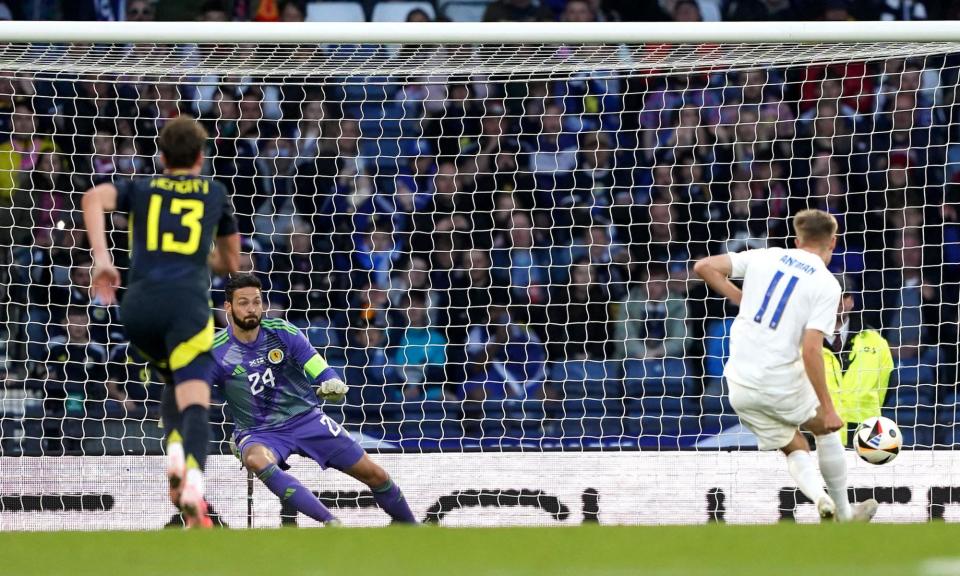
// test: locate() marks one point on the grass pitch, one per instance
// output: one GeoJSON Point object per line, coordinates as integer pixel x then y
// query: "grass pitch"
{"type": "Point", "coordinates": [778, 550]}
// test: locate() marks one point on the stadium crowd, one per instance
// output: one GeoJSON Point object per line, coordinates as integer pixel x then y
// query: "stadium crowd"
{"type": "Point", "coordinates": [498, 258]}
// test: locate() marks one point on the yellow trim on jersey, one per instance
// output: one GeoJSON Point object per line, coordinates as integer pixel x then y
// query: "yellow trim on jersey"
{"type": "Point", "coordinates": [161, 364]}
{"type": "Point", "coordinates": [186, 352]}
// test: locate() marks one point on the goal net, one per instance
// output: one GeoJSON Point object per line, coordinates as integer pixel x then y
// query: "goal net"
{"type": "Point", "coordinates": [493, 244]}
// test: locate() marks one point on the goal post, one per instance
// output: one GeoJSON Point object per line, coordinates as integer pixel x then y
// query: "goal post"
{"type": "Point", "coordinates": [489, 231]}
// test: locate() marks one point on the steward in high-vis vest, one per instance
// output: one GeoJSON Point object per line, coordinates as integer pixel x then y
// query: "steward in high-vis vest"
{"type": "Point", "coordinates": [858, 370]}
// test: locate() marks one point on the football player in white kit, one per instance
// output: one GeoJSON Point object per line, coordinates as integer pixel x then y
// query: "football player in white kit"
{"type": "Point", "coordinates": [775, 373]}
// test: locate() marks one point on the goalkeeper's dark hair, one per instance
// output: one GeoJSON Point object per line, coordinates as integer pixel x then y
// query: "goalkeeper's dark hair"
{"type": "Point", "coordinates": [238, 281]}
{"type": "Point", "coordinates": [181, 142]}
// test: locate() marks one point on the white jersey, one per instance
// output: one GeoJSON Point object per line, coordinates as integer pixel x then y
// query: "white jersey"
{"type": "Point", "coordinates": [784, 293]}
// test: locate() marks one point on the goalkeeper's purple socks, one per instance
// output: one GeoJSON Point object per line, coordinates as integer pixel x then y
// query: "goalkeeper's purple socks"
{"type": "Point", "coordinates": [391, 500]}
{"type": "Point", "coordinates": [288, 489]}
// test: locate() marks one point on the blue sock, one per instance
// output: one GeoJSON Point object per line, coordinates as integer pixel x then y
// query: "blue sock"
{"type": "Point", "coordinates": [391, 500]}
{"type": "Point", "coordinates": [289, 489]}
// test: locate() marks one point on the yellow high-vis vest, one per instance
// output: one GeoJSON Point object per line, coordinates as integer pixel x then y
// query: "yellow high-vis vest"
{"type": "Point", "coordinates": [859, 392]}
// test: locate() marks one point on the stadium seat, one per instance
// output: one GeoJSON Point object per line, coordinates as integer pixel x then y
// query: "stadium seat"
{"type": "Point", "coordinates": [915, 416]}
{"type": "Point", "coordinates": [716, 404]}
{"type": "Point", "coordinates": [653, 405]}
{"type": "Point", "coordinates": [335, 12]}
{"type": "Point", "coordinates": [398, 11]}
{"type": "Point", "coordinates": [463, 11]}
{"type": "Point", "coordinates": [946, 436]}
{"type": "Point", "coordinates": [913, 371]}
{"type": "Point", "coordinates": [656, 377]}
{"type": "Point", "coordinates": [600, 370]}
{"type": "Point", "coordinates": [604, 427]}
{"type": "Point", "coordinates": [948, 410]}
{"type": "Point", "coordinates": [716, 344]}
{"type": "Point", "coordinates": [715, 422]}
{"type": "Point", "coordinates": [924, 436]}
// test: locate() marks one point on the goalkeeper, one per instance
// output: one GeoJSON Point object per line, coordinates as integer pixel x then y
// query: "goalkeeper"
{"type": "Point", "coordinates": [858, 369]}
{"type": "Point", "coordinates": [266, 370]}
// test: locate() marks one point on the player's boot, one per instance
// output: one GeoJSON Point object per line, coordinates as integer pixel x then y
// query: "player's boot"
{"type": "Point", "coordinates": [193, 507]}
{"type": "Point", "coordinates": [827, 509]}
{"type": "Point", "coordinates": [865, 511]}
{"type": "Point", "coordinates": [176, 467]}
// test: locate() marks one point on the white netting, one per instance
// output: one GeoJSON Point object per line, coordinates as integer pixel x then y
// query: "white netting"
{"type": "Point", "coordinates": [492, 243]}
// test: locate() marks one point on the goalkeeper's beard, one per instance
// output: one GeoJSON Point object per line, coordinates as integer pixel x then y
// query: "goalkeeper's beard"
{"type": "Point", "coordinates": [248, 323]}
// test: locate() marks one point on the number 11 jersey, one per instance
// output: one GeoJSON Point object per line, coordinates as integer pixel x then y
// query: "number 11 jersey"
{"type": "Point", "coordinates": [784, 293]}
{"type": "Point", "coordinates": [173, 221]}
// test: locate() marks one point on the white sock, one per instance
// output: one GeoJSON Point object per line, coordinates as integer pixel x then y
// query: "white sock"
{"type": "Point", "coordinates": [833, 468]}
{"type": "Point", "coordinates": [195, 479]}
{"type": "Point", "coordinates": [804, 472]}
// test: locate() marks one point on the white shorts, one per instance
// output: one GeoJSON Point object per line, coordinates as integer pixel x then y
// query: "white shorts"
{"type": "Point", "coordinates": [774, 414]}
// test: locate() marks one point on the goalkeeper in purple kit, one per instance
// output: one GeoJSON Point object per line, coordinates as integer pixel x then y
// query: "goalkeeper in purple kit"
{"type": "Point", "coordinates": [271, 377]}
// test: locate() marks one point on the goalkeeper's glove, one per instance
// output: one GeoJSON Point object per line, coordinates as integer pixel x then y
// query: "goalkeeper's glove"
{"type": "Point", "coordinates": [332, 390]}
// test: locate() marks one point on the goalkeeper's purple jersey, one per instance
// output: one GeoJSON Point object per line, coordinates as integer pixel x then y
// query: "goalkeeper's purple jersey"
{"type": "Point", "coordinates": [269, 380]}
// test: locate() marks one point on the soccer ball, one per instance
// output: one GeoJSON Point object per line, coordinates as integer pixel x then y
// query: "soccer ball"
{"type": "Point", "coordinates": [878, 440]}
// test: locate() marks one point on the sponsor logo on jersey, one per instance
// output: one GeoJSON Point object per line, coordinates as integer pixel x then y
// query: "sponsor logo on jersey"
{"type": "Point", "coordinates": [275, 356]}
{"type": "Point", "coordinates": [256, 362]}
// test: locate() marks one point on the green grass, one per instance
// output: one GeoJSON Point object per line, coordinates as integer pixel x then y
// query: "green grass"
{"type": "Point", "coordinates": [779, 550]}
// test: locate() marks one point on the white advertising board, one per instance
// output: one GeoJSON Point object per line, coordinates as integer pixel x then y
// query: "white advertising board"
{"type": "Point", "coordinates": [479, 489]}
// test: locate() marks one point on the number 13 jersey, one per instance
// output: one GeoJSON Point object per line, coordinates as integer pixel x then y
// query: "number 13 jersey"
{"type": "Point", "coordinates": [173, 220]}
{"type": "Point", "coordinates": [784, 293]}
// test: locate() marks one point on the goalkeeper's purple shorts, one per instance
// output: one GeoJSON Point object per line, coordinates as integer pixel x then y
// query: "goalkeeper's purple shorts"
{"type": "Point", "coordinates": [312, 434]}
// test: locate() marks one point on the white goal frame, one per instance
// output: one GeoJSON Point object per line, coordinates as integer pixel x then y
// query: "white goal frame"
{"type": "Point", "coordinates": [481, 32]}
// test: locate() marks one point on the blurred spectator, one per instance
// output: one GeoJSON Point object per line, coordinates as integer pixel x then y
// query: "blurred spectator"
{"type": "Point", "coordinates": [908, 298]}
{"type": "Point", "coordinates": [521, 265]}
{"type": "Point", "coordinates": [506, 360]}
{"type": "Point", "coordinates": [140, 11]}
{"type": "Point", "coordinates": [741, 221]}
{"type": "Point", "coordinates": [578, 11]}
{"type": "Point", "coordinates": [375, 255]}
{"type": "Point", "coordinates": [856, 93]}
{"type": "Point", "coordinates": [74, 383]}
{"type": "Point", "coordinates": [104, 156]}
{"type": "Point", "coordinates": [660, 239]}
{"type": "Point", "coordinates": [298, 277]}
{"type": "Point", "coordinates": [653, 323]}
{"type": "Point", "coordinates": [421, 352]}
{"type": "Point", "coordinates": [633, 11]}
{"type": "Point", "coordinates": [578, 317]}
{"type": "Point", "coordinates": [292, 11]}
{"type": "Point", "coordinates": [517, 11]}
{"type": "Point", "coordinates": [372, 377]}
{"type": "Point", "coordinates": [20, 154]}
{"type": "Point", "coordinates": [214, 11]}
{"type": "Point", "coordinates": [686, 11]}
{"type": "Point", "coordinates": [552, 156]}
{"type": "Point", "coordinates": [418, 15]}
{"type": "Point", "coordinates": [126, 384]}
{"type": "Point", "coordinates": [758, 10]}
{"type": "Point", "coordinates": [901, 9]}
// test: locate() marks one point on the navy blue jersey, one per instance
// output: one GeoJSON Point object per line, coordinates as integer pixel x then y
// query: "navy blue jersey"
{"type": "Point", "coordinates": [173, 221]}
